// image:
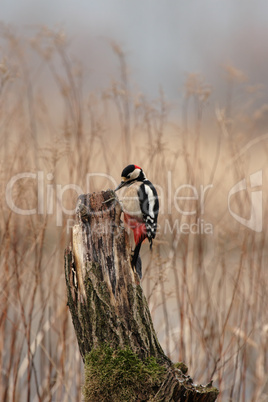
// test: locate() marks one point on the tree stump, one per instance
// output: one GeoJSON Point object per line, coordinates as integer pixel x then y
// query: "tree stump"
{"type": "Point", "coordinates": [107, 303]}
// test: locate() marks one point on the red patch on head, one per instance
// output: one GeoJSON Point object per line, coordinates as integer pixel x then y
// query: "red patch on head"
{"type": "Point", "coordinates": [139, 228]}
{"type": "Point", "coordinates": [137, 167]}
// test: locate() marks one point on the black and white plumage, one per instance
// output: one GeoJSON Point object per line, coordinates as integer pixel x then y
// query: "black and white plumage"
{"type": "Point", "coordinates": [140, 205]}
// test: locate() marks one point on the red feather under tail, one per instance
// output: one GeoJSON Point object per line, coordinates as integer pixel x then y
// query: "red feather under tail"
{"type": "Point", "coordinates": [139, 228]}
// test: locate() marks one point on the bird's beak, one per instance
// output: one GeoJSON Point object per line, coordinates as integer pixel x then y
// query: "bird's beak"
{"type": "Point", "coordinates": [123, 183]}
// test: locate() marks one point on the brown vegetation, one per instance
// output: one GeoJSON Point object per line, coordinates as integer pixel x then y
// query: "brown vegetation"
{"type": "Point", "coordinates": [207, 292]}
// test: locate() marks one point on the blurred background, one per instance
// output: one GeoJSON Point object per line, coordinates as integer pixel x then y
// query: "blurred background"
{"type": "Point", "coordinates": [179, 89]}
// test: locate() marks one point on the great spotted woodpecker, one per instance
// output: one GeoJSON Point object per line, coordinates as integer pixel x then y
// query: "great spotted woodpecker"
{"type": "Point", "coordinates": [140, 206]}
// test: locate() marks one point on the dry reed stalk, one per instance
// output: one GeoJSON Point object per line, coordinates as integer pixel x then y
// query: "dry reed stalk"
{"type": "Point", "coordinates": [208, 295]}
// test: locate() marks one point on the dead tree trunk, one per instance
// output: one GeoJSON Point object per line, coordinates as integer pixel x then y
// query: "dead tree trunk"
{"type": "Point", "coordinates": [106, 300]}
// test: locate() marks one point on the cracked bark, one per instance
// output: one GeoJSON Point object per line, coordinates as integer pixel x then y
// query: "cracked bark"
{"type": "Point", "coordinates": [106, 300]}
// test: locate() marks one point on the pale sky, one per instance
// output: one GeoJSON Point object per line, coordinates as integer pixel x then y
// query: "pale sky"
{"type": "Point", "coordinates": [163, 39]}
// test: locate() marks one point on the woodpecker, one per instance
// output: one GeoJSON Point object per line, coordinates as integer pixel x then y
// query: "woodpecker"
{"type": "Point", "coordinates": [140, 206]}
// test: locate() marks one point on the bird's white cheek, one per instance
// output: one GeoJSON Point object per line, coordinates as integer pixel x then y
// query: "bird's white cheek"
{"type": "Point", "coordinates": [135, 174]}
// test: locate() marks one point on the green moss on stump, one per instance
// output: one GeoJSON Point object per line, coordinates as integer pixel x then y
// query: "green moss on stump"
{"type": "Point", "coordinates": [120, 375]}
{"type": "Point", "coordinates": [182, 367]}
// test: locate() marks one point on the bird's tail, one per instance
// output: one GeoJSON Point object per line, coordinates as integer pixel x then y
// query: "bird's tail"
{"type": "Point", "coordinates": [136, 258]}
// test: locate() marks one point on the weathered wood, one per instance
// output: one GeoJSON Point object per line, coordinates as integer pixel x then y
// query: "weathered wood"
{"type": "Point", "coordinates": [106, 300]}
